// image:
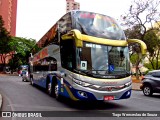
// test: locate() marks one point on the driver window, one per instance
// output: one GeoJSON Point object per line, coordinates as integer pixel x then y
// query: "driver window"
{"type": "Point", "coordinates": [67, 54]}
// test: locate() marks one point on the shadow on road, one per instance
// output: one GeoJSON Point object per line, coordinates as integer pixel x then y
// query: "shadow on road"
{"type": "Point", "coordinates": [156, 95]}
{"type": "Point", "coordinates": [88, 105]}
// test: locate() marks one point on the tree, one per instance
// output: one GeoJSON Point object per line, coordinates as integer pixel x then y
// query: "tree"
{"type": "Point", "coordinates": [141, 14]}
{"type": "Point", "coordinates": [133, 32]}
{"type": "Point", "coordinates": [22, 48]}
{"type": "Point", "coordinates": [153, 42]}
{"type": "Point", "coordinates": [4, 42]}
{"type": "Point", "coordinates": [16, 47]}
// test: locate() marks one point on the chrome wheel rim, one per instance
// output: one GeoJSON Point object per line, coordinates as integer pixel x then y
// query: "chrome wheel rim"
{"type": "Point", "coordinates": [147, 91]}
{"type": "Point", "coordinates": [49, 88]}
{"type": "Point", "coordinates": [56, 90]}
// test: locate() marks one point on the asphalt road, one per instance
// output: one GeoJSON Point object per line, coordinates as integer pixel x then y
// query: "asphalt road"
{"type": "Point", "coordinates": [21, 96]}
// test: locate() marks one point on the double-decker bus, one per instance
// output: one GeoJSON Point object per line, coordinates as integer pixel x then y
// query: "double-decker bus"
{"type": "Point", "coordinates": [84, 56]}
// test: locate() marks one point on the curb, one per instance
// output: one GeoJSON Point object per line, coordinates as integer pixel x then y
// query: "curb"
{"type": "Point", "coordinates": [8, 74]}
{"type": "Point", "coordinates": [0, 101]}
{"type": "Point", "coordinates": [136, 89]}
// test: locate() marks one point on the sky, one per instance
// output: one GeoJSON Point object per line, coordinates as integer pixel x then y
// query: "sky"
{"type": "Point", "coordinates": [36, 17]}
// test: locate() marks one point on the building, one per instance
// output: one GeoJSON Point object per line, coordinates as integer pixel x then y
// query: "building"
{"type": "Point", "coordinates": [8, 11]}
{"type": "Point", "coordinates": [72, 5]}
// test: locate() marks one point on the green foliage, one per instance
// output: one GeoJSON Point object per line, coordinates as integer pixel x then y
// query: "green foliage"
{"type": "Point", "coordinates": [4, 42]}
{"type": "Point", "coordinates": [21, 45]}
{"type": "Point", "coordinates": [4, 38]}
{"type": "Point", "coordinates": [35, 49]}
{"type": "Point", "coordinates": [134, 32]}
{"type": "Point", "coordinates": [19, 48]}
{"type": "Point", "coordinates": [134, 19]}
{"type": "Point", "coordinates": [149, 66]}
{"type": "Point", "coordinates": [153, 46]}
{"type": "Point", "coordinates": [22, 48]}
{"type": "Point", "coordinates": [152, 41]}
{"type": "Point", "coordinates": [134, 58]}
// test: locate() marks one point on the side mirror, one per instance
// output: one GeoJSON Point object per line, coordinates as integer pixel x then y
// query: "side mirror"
{"type": "Point", "coordinates": [139, 45]}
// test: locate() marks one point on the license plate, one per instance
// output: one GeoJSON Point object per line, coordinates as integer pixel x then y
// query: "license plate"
{"type": "Point", "coordinates": [106, 98]}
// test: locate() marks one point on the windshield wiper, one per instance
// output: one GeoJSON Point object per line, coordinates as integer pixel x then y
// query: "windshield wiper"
{"type": "Point", "coordinates": [83, 72]}
{"type": "Point", "coordinates": [79, 71]}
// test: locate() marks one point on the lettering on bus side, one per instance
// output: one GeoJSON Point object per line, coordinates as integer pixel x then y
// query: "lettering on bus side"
{"type": "Point", "coordinates": [44, 53]}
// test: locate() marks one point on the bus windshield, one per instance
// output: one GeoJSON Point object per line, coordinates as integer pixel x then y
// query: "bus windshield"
{"type": "Point", "coordinates": [98, 25]}
{"type": "Point", "coordinates": [103, 60]}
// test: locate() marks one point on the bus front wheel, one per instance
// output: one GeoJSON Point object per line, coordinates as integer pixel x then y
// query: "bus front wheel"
{"type": "Point", "coordinates": [53, 89]}
{"type": "Point", "coordinates": [56, 91]}
{"type": "Point", "coordinates": [50, 89]}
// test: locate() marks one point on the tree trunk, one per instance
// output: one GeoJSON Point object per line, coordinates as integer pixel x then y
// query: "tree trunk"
{"type": "Point", "coordinates": [157, 67]}
{"type": "Point", "coordinates": [137, 63]}
{"type": "Point", "coordinates": [3, 60]}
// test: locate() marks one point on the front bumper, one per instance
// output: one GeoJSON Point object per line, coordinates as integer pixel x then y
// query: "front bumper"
{"type": "Point", "coordinates": [83, 93]}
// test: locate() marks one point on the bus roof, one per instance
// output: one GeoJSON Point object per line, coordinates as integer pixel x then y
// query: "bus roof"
{"type": "Point", "coordinates": [47, 37]}
{"type": "Point", "coordinates": [63, 22]}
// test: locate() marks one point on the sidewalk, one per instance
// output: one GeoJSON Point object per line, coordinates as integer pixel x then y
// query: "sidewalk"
{"type": "Point", "coordinates": [136, 83]}
{"type": "Point", "coordinates": [136, 86]}
{"type": "Point", "coordinates": [14, 74]}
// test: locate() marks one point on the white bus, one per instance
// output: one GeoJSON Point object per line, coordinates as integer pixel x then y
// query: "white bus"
{"type": "Point", "coordinates": [84, 56]}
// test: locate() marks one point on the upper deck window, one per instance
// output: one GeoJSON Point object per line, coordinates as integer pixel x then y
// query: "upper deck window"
{"type": "Point", "coordinates": [98, 25]}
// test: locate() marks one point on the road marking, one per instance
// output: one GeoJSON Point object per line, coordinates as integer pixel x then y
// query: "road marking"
{"type": "Point", "coordinates": [39, 107]}
{"type": "Point", "coordinates": [0, 101]}
{"type": "Point", "coordinates": [12, 108]}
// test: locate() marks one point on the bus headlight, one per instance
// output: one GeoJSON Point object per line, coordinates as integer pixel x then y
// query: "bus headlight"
{"type": "Point", "coordinates": [84, 84]}
{"type": "Point", "coordinates": [128, 84]}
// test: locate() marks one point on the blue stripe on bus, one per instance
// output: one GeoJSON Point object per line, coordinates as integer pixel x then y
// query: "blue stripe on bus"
{"type": "Point", "coordinates": [75, 93]}
{"type": "Point", "coordinates": [90, 96]}
{"type": "Point", "coordinates": [126, 95]}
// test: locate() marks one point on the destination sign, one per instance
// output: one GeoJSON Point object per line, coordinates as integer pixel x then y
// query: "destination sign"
{"type": "Point", "coordinates": [94, 15]}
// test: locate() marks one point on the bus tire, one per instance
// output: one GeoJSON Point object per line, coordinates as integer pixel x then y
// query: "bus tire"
{"type": "Point", "coordinates": [50, 87]}
{"type": "Point", "coordinates": [56, 91]}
